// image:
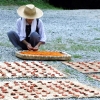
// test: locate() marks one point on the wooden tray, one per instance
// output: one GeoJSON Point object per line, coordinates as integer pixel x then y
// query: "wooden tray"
{"type": "Point", "coordinates": [64, 56]}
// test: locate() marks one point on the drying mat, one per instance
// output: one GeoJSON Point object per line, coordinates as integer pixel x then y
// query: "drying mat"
{"type": "Point", "coordinates": [42, 55]}
{"type": "Point", "coordinates": [84, 67]}
{"type": "Point", "coordinates": [45, 89]}
{"type": "Point", "coordinates": [95, 76]}
{"type": "Point", "coordinates": [28, 69]}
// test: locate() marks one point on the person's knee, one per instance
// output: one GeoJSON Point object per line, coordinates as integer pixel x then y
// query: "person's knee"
{"type": "Point", "coordinates": [10, 33]}
{"type": "Point", "coordinates": [34, 35]}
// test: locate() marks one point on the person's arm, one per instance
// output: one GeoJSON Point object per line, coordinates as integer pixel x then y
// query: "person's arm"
{"type": "Point", "coordinates": [18, 26]}
{"type": "Point", "coordinates": [37, 46]}
{"type": "Point", "coordinates": [42, 32]}
{"type": "Point", "coordinates": [27, 44]}
{"type": "Point", "coordinates": [19, 30]}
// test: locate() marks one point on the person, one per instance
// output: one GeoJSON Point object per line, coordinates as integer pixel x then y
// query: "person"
{"type": "Point", "coordinates": [30, 30]}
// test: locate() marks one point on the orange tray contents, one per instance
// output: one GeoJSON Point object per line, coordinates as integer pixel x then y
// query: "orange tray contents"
{"type": "Point", "coordinates": [43, 53]}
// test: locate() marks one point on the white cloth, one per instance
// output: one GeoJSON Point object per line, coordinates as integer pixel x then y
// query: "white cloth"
{"type": "Point", "coordinates": [21, 27]}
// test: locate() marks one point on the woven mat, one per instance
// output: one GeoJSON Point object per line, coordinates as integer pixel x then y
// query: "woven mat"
{"type": "Point", "coordinates": [45, 89]}
{"type": "Point", "coordinates": [95, 76]}
{"type": "Point", "coordinates": [65, 56]}
{"type": "Point", "coordinates": [91, 69]}
{"type": "Point", "coordinates": [28, 69]}
{"type": "Point", "coordinates": [84, 67]}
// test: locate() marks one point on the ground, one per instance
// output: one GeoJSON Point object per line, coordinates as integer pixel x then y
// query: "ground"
{"type": "Point", "coordinates": [73, 31]}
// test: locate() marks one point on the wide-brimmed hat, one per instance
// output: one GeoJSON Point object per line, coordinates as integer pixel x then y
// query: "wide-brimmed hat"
{"type": "Point", "coordinates": [29, 11]}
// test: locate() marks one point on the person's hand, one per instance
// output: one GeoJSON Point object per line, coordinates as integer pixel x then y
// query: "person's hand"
{"type": "Point", "coordinates": [29, 46]}
{"type": "Point", "coordinates": [35, 48]}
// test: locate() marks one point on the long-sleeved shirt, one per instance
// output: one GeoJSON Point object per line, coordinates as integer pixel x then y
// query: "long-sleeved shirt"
{"type": "Point", "coordinates": [21, 25]}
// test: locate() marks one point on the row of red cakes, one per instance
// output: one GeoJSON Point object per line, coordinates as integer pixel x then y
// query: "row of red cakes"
{"type": "Point", "coordinates": [45, 89]}
{"type": "Point", "coordinates": [28, 69]}
{"type": "Point", "coordinates": [95, 76]}
{"type": "Point", "coordinates": [85, 67]}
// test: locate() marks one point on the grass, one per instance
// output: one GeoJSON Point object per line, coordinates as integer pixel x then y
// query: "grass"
{"type": "Point", "coordinates": [76, 47]}
{"type": "Point", "coordinates": [52, 46]}
{"type": "Point", "coordinates": [90, 79]}
{"type": "Point", "coordinates": [97, 29]}
{"type": "Point", "coordinates": [97, 39]}
{"type": "Point", "coordinates": [77, 56]}
{"type": "Point", "coordinates": [59, 40]}
{"type": "Point", "coordinates": [39, 3]}
{"type": "Point", "coordinates": [68, 71]}
{"type": "Point", "coordinates": [6, 44]}
{"type": "Point", "coordinates": [71, 46]}
{"type": "Point", "coordinates": [83, 46]}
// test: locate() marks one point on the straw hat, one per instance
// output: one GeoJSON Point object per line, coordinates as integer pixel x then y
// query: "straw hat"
{"type": "Point", "coordinates": [29, 11]}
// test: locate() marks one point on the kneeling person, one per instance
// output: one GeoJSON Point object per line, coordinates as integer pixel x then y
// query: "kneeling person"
{"type": "Point", "coordinates": [30, 30]}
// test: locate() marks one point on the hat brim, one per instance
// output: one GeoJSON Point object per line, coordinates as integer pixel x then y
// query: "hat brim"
{"type": "Point", "coordinates": [20, 11]}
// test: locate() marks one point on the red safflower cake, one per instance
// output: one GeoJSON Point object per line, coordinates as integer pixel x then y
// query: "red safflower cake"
{"type": "Point", "coordinates": [43, 55]}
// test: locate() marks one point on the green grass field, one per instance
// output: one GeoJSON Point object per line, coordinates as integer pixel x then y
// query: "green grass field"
{"type": "Point", "coordinates": [39, 3]}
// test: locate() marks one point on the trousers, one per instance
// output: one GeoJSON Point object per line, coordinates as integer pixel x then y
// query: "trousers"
{"type": "Point", "coordinates": [15, 40]}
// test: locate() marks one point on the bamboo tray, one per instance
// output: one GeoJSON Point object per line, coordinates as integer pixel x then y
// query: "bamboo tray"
{"type": "Point", "coordinates": [28, 56]}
